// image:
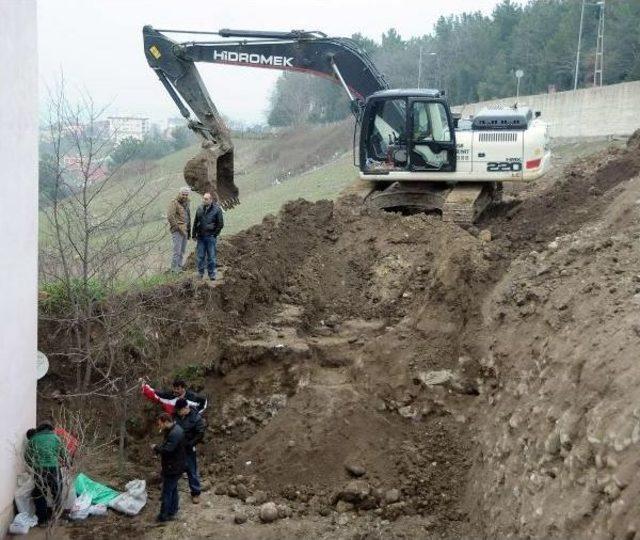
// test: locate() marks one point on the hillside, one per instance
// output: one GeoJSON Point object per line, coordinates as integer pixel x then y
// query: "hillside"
{"type": "Point", "coordinates": [312, 162]}
{"type": "Point", "coordinates": [260, 164]}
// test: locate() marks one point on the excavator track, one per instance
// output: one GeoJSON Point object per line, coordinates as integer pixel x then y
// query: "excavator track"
{"type": "Point", "coordinates": [459, 203]}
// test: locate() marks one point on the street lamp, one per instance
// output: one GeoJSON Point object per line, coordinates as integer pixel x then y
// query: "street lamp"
{"type": "Point", "coordinates": [519, 74]}
{"type": "Point", "coordinates": [420, 65]}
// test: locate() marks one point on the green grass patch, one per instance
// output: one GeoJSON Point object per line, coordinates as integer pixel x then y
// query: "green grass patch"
{"type": "Point", "coordinates": [324, 183]}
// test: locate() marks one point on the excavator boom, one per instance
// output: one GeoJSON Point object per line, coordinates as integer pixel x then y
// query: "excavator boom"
{"type": "Point", "coordinates": [338, 59]}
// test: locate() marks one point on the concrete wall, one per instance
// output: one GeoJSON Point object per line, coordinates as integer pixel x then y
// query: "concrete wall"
{"type": "Point", "coordinates": [590, 112]}
{"type": "Point", "coordinates": [18, 223]}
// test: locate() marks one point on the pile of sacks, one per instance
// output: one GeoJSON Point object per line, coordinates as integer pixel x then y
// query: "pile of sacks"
{"type": "Point", "coordinates": [83, 497]}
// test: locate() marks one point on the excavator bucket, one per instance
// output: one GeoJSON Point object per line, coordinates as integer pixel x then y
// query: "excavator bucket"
{"type": "Point", "coordinates": [211, 170]}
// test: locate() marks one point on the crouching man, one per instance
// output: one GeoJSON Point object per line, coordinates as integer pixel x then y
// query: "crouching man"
{"type": "Point", "coordinates": [193, 426]}
{"type": "Point", "coordinates": [173, 460]}
{"type": "Point", "coordinates": [43, 455]}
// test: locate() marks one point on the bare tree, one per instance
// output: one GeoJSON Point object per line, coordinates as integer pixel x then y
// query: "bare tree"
{"type": "Point", "coordinates": [96, 232]}
{"type": "Point", "coordinates": [98, 236]}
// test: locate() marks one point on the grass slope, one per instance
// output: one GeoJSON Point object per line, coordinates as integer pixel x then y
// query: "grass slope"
{"type": "Point", "coordinates": [325, 182]}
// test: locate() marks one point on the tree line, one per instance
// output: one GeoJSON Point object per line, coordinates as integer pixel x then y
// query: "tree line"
{"type": "Point", "coordinates": [474, 57]}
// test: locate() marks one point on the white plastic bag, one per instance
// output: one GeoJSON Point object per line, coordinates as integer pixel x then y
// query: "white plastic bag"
{"type": "Point", "coordinates": [97, 510]}
{"type": "Point", "coordinates": [24, 501]}
{"type": "Point", "coordinates": [80, 509]}
{"type": "Point", "coordinates": [22, 523]}
{"type": "Point", "coordinates": [133, 500]}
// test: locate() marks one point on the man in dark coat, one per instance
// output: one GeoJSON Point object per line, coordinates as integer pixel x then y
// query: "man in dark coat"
{"type": "Point", "coordinates": [206, 228]}
{"type": "Point", "coordinates": [173, 458]}
{"type": "Point", "coordinates": [193, 426]}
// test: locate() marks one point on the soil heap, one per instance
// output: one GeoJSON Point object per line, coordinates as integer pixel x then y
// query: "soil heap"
{"type": "Point", "coordinates": [386, 367]}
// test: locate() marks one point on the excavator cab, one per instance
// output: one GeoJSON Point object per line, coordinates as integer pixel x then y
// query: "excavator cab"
{"type": "Point", "coordinates": [407, 130]}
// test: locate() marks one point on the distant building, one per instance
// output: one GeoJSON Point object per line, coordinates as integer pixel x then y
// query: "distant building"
{"type": "Point", "coordinates": [172, 123]}
{"type": "Point", "coordinates": [176, 121]}
{"type": "Point", "coordinates": [123, 127]}
{"type": "Point", "coordinates": [76, 170]}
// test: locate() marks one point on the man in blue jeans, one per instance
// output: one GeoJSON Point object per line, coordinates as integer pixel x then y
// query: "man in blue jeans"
{"type": "Point", "coordinates": [173, 458]}
{"type": "Point", "coordinates": [193, 426]}
{"type": "Point", "coordinates": [206, 228]}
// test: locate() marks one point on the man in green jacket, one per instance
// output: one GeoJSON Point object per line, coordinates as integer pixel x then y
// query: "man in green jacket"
{"type": "Point", "coordinates": [43, 455]}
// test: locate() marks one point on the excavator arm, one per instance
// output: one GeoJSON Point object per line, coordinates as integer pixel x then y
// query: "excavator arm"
{"type": "Point", "coordinates": [338, 59]}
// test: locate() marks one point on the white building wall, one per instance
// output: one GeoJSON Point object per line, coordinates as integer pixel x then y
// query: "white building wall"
{"type": "Point", "coordinates": [123, 127]}
{"type": "Point", "coordinates": [588, 112]}
{"type": "Point", "coordinates": [18, 223]}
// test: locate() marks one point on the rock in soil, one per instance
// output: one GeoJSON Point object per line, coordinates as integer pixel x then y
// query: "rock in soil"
{"type": "Point", "coordinates": [268, 512]}
{"type": "Point", "coordinates": [355, 491]}
{"type": "Point", "coordinates": [259, 497]}
{"type": "Point", "coordinates": [355, 469]}
{"type": "Point", "coordinates": [392, 496]}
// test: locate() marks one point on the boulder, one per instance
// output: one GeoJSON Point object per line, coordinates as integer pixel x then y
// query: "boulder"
{"type": "Point", "coordinates": [284, 511]}
{"type": "Point", "coordinates": [259, 497]}
{"type": "Point", "coordinates": [485, 235]}
{"type": "Point", "coordinates": [242, 492]}
{"type": "Point", "coordinates": [342, 506]}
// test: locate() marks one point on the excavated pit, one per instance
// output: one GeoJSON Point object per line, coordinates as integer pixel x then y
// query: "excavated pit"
{"type": "Point", "coordinates": [403, 346]}
{"type": "Point", "coordinates": [336, 368]}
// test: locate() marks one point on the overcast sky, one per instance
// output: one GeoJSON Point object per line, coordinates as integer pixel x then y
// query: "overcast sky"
{"type": "Point", "coordinates": [98, 43]}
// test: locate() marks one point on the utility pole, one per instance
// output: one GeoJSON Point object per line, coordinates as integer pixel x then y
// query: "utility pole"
{"type": "Point", "coordinates": [598, 68]}
{"type": "Point", "coordinates": [420, 65]}
{"type": "Point", "coordinates": [575, 80]}
{"type": "Point", "coordinates": [519, 74]}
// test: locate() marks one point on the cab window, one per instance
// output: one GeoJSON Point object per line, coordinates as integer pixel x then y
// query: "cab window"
{"type": "Point", "coordinates": [430, 122]}
{"type": "Point", "coordinates": [387, 134]}
{"type": "Point", "coordinates": [429, 134]}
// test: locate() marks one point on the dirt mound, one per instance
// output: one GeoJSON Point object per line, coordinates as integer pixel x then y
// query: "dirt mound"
{"type": "Point", "coordinates": [580, 195]}
{"type": "Point", "coordinates": [561, 454]}
{"type": "Point", "coordinates": [382, 360]}
{"type": "Point", "coordinates": [477, 387]}
{"type": "Point", "coordinates": [634, 141]}
{"type": "Point", "coordinates": [359, 308]}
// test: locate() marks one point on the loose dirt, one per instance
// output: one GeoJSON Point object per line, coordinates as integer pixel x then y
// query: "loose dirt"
{"type": "Point", "coordinates": [483, 388]}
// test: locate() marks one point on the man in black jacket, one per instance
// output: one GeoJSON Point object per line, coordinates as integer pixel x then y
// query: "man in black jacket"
{"type": "Point", "coordinates": [206, 228]}
{"type": "Point", "coordinates": [193, 426]}
{"type": "Point", "coordinates": [173, 458]}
